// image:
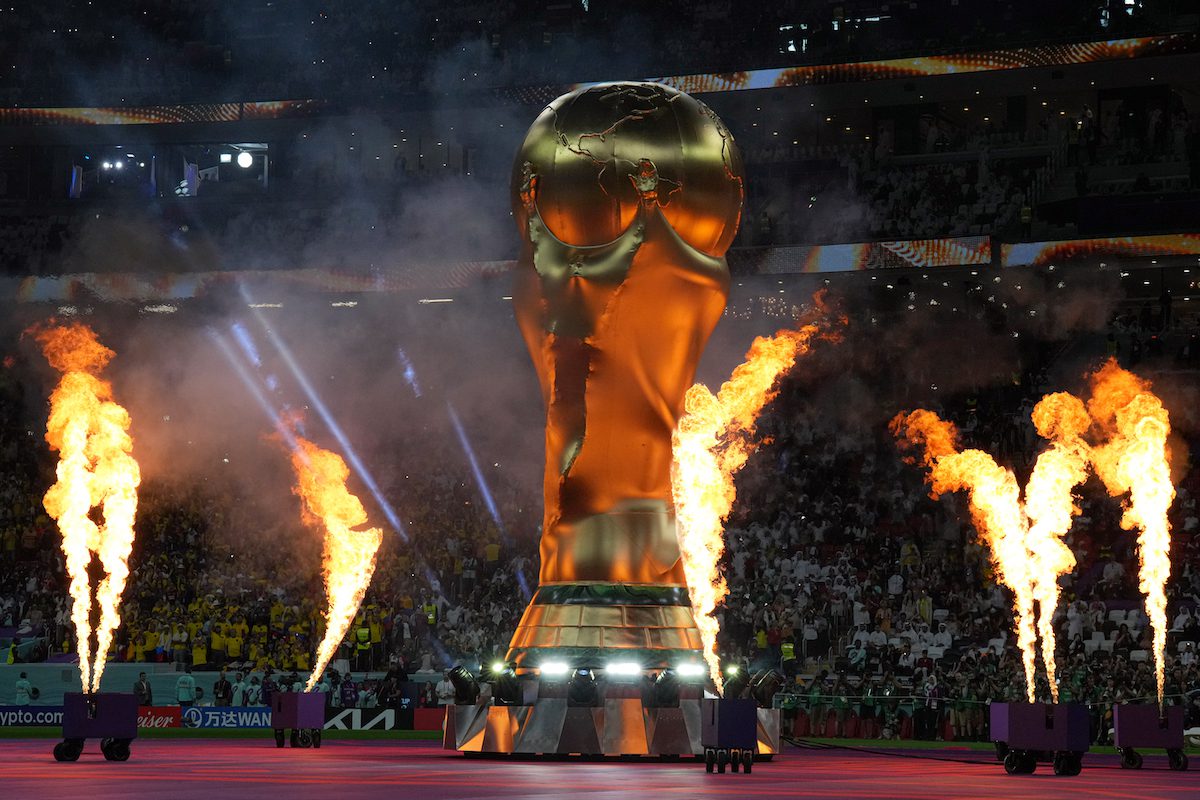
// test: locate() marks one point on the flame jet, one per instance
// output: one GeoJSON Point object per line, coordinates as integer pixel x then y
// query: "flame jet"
{"type": "Point", "coordinates": [995, 502]}
{"type": "Point", "coordinates": [96, 468]}
{"type": "Point", "coordinates": [348, 560]}
{"type": "Point", "coordinates": [711, 442]}
{"type": "Point", "coordinates": [1050, 506]}
{"type": "Point", "coordinates": [1134, 460]}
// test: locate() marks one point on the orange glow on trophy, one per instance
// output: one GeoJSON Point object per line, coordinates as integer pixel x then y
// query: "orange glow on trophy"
{"type": "Point", "coordinates": [627, 196]}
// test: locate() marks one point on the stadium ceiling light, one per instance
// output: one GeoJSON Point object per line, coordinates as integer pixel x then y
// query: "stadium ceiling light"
{"type": "Point", "coordinates": [554, 669]}
{"type": "Point", "coordinates": [244, 160]}
{"type": "Point", "coordinates": [226, 158]}
{"type": "Point", "coordinates": [690, 670]}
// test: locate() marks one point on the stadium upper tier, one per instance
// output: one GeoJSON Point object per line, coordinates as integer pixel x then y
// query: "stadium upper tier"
{"type": "Point", "coordinates": [157, 51]}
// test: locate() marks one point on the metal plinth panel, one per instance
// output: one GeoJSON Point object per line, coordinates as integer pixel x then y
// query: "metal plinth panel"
{"type": "Point", "coordinates": [1143, 726]}
{"type": "Point", "coordinates": [103, 715]}
{"type": "Point", "coordinates": [769, 740]}
{"type": "Point", "coordinates": [1041, 726]}
{"type": "Point", "coordinates": [549, 726]}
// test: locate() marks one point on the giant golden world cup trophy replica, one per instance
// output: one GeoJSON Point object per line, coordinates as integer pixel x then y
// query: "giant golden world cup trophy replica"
{"type": "Point", "coordinates": [627, 196]}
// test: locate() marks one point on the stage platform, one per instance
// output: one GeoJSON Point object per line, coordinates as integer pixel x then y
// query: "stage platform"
{"type": "Point", "coordinates": [201, 769]}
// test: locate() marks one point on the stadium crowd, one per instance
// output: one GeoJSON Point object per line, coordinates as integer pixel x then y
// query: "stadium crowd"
{"type": "Point", "coordinates": [874, 600]}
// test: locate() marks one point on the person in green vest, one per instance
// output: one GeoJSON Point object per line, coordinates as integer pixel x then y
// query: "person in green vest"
{"type": "Point", "coordinates": [787, 661]}
{"type": "Point", "coordinates": [362, 645]}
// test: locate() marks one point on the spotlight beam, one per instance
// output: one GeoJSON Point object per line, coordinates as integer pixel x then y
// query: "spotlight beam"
{"type": "Point", "coordinates": [322, 410]}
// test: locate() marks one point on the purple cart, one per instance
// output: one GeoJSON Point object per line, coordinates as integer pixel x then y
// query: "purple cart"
{"type": "Point", "coordinates": [1145, 726]}
{"type": "Point", "coordinates": [1026, 733]}
{"type": "Point", "coordinates": [110, 717]}
{"type": "Point", "coordinates": [729, 733]}
{"type": "Point", "coordinates": [303, 712]}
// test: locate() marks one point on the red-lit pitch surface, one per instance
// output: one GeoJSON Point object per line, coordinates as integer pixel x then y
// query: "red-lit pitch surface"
{"type": "Point", "coordinates": [204, 769]}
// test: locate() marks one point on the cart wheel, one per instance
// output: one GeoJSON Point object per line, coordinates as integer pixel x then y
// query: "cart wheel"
{"type": "Point", "coordinates": [735, 760]}
{"type": "Point", "coordinates": [1076, 763]}
{"type": "Point", "coordinates": [279, 737]}
{"type": "Point", "coordinates": [1012, 763]}
{"type": "Point", "coordinates": [316, 738]}
{"type": "Point", "coordinates": [722, 761]}
{"type": "Point", "coordinates": [105, 748]}
{"type": "Point", "coordinates": [1177, 759]}
{"type": "Point", "coordinates": [710, 759]}
{"type": "Point", "coordinates": [303, 738]}
{"type": "Point", "coordinates": [118, 750]}
{"type": "Point", "coordinates": [1001, 751]}
{"type": "Point", "coordinates": [1028, 763]}
{"type": "Point", "coordinates": [1130, 759]}
{"type": "Point", "coordinates": [747, 761]}
{"type": "Point", "coordinates": [1066, 764]}
{"type": "Point", "coordinates": [60, 752]}
{"type": "Point", "coordinates": [73, 748]}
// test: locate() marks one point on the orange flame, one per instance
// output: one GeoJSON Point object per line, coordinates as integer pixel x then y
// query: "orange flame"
{"type": "Point", "coordinates": [349, 555]}
{"type": "Point", "coordinates": [95, 468]}
{"type": "Point", "coordinates": [995, 503]}
{"type": "Point", "coordinates": [1051, 508]}
{"type": "Point", "coordinates": [1135, 460]}
{"type": "Point", "coordinates": [709, 445]}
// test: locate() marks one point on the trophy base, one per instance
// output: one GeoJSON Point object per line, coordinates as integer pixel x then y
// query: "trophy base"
{"type": "Point", "coordinates": [617, 726]}
{"type": "Point", "coordinates": [591, 625]}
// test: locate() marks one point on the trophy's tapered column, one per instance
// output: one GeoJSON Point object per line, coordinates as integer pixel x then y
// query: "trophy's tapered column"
{"type": "Point", "coordinates": [627, 196]}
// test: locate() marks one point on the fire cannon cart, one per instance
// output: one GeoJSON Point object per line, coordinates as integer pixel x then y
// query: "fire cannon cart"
{"type": "Point", "coordinates": [303, 713]}
{"type": "Point", "coordinates": [1145, 726]}
{"type": "Point", "coordinates": [729, 734]}
{"type": "Point", "coordinates": [1026, 733]}
{"type": "Point", "coordinates": [110, 717]}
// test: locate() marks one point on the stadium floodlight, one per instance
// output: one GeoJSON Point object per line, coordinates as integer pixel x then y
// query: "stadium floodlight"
{"type": "Point", "coordinates": [499, 666]}
{"type": "Point", "coordinates": [119, 164]}
{"type": "Point", "coordinates": [691, 670]}
{"type": "Point", "coordinates": [106, 165]}
{"type": "Point", "coordinates": [731, 670]}
{"type": "Point", "coordinates": [244, 160]}
{"type": "Point", "coordinates": [623, 668]}
{"type": "Point", "coordinates": [554, 669]}
{"type": "Point", "coordinates": [226, 158]}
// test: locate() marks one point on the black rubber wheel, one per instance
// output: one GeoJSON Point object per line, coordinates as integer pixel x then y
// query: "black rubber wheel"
{"type": "Point", "coordinates": [1001, 751]}
{"type": "Point", "coordinates": [710, 759]}
{"type": "Point", "coordinates": [74, 749]}
{"type": "Point", "coordinates": [1131, 759]}
{"type": "Point", "coordinates": [747, 761]}
{"type": "Point", "coordinates": [278, 737]}
{"type": "Point", "coordinates": [1012, 763]}
{"type": "Point", "coordinates": [1062, 764]}
{"type": "Point", "coordinates": [118, 750]}
{"type": "Point", "coordinates": [1076, 763]}
{"type": "Point", "coordinates": [722, 761]}
{"type": "Point", "coordinates": [316, 738]}
{"type": "Point", "coordinates": [294, 739]}
{"type": "Point", "coordinates": [1177, 760]}
{"type": "Point", "coordinates": [303, 737]}
{"type": "Point", "coordinates": [1028, 764]}
{"type": "Point", "coordinates": [60, 752]}
{"type": "Point", "coordinates": [735, 760]}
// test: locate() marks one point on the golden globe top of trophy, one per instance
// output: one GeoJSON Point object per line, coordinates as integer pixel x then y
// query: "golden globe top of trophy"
{"type": "Point", "coordinates": [627, 196]}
